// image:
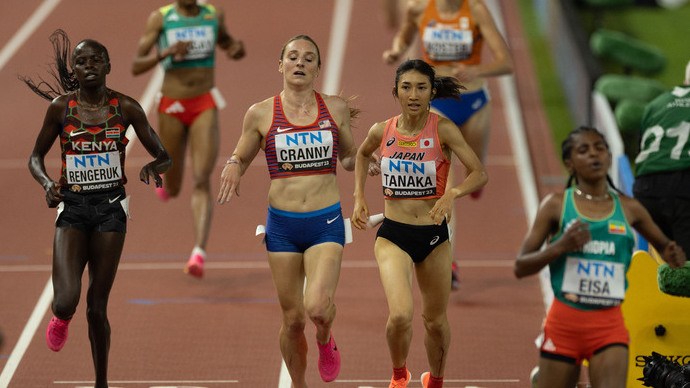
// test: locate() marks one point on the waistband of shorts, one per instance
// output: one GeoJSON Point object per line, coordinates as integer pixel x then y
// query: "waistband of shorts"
{"type": "Point", "coordinates": [315, 213]}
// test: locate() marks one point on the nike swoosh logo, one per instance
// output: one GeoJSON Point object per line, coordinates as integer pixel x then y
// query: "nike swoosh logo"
{"type": "Point", "coordinates": [434, 240]}
{"type": "Point", "coordinates": [279, 129]}
{"type": "Point", "coordinates": [331, 221]}
{"type": "Point", "coordinates": [114, 199]}
{"type": "Point", "coordinates": [77, 133]}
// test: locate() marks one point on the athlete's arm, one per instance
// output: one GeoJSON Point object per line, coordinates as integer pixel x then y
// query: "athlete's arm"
{"type": "Point", "coordinates": [642, 221]}
{"type": "Point", "coordinates": [347, 150]}
{"type": "Point", "coordinates": [248, 146]}
{"type": "Point", "coordinates": [502, 62]}
{"type": "Point", "coordinates": [532, 258]}
{"type": "Point", "coordinates": [360, 213]}
{"type": "Point", "coordinates": [407, 31]}
{"type": "Point", "coordinates": [50, 130]}
{"type": "Point", "coordinates": [136, 117]}
{"type": "Point", "coordinates": [234, 48]}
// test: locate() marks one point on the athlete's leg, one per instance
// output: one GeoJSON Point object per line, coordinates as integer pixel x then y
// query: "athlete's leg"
{"type": "Point", "coordinates": [557, 374]}
{"type": "Point", "coordinates": [204, 144]}
{"type": "Point", "coordinates": [434, 285]}
{"type": "Point", "coordinates": [104, 251]}
{"type": "Point", "coordinates": [287, 270]}
{"type": "Point", "coordinates": [70, 254]}
{"type": "Point", "coordinates": [173, 135]}
{"type": "Point", "coordinates": [322, 270]}
{"type": "Point", "coordinates": [609, 368]}
{"type": "Point", "coordinates": [395, 270]}
{"type": "Point", "coordinates": [476, 131]}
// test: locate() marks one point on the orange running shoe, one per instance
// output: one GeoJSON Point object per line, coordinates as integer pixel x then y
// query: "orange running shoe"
{"type": "Point", "coordinates": [401, 383]}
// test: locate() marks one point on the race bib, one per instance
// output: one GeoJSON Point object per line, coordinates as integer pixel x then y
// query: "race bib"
{"type": "Point", "coordinates": [93, 168]}
{"type": "Point", "coordinates": [408, 178]}
{"type": "Point", "coordinates": [201, 40]}
{"type": "Point", "coordinates": [303, 151]}
{"type": "Point", "coordinates": [594, 282]}
{"type": "Point", "coordinates": [447, 44]}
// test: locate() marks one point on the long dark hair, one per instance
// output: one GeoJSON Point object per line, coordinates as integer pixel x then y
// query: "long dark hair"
{"type": "Point", "coordinates": [567, 152]}
{"type": "Point", "coordinates": [64, 79]}
{"type": "Point", "coordinates": [446, 87]}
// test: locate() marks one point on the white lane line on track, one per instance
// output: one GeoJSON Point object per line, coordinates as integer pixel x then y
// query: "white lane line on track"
{"type": "Point", "coordinates": [17, 40]}
{"type": "Point", "coordinates": [520, 148]}
{"type": "Point", "coordinates": [28, 28]}
{"type": "Point", "coordinates": [27, 334]}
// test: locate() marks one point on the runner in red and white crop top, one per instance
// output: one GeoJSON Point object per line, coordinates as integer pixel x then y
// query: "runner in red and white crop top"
{"type": "Point", "coordinates": [447, 41]}
{"type": "Point", "coordinates": [413, 167]}
{"type": "Point", "coordinates": [296, 150]}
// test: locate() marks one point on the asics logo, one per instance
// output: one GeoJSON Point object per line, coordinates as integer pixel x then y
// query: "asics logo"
{"type": "Point", "coordinates": [279, 129]}
{"type": "Point", "coordinates": [113, 200]}
{"type": "Point", "coordinates": [434, 240]}
{"type": "Point", "coordinates": [331, 221]}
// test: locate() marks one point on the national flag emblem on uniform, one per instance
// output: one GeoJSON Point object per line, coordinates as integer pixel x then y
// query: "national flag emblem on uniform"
{"type": "Point", "coordinates": [426, 143]}
{"type": "Point", "coordinates": [324, 123]}
{"type": "Point", "coordinates": [112, 133]}
{"type": "Point", "coordinates": [616, 227]}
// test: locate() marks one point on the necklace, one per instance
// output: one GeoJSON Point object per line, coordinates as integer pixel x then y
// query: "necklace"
{"type": "Point", "coordinates": [91, 109]}
{"type": "Point", "coordinates": [591, 197]}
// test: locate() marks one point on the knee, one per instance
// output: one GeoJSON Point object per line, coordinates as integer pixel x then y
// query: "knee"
{"type": "Point", "coordinates": [400, 320]}
{"type": "Point", "coordinates": [320, 311]}
{"type": "Point", "coordinates": [435, 324]}
{"type": "Point", "coordinates": [64, 309]}
{"type": "Point", "coordinates": [96, 315]}
{"type": "Point", "coordinates": [293, 324]}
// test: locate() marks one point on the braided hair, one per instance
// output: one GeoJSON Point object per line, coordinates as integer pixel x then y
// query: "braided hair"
{"type": "Point", "coordinates": [64, 79]}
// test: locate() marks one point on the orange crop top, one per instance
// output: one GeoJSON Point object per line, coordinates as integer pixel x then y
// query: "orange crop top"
{"type": "Point", "coordinates": [413, 167]}
{"type": "Point", "coordinates": [445, 41]}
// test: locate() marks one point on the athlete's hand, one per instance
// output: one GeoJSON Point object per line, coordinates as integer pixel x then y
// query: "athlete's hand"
{"type": "Point", "coordinates": [53, 195]}
{"type": "Point", "coordinates": [236, 50]}
{"type": "Point", "coordinates": [465, 73]}
{"type": "Point", "coordinates": [178, 50]}
{"type": "Point", "coordinates": [391, 56]}
{"type": "Point", "coordinates": [374, 165]}
{"type": "Point", "coordinates": [443, 209]}
{"type": "Point", "coordinates": [360, 214]}
{"type": "Point", "coordinates": [674, 255]}
{"type": "Point", "coordinates": [149, 170]}
{"type": "Point", "coordinates": [576, 235]}
{"type": "Point", "coordinates": [229, 182]}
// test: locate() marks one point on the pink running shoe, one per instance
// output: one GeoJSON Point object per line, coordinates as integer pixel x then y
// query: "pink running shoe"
{"type": "Point", "coordinates": [56, 335]}
{"type": "Point", "coordinates": [195, 265]}
{"type": "Point", "coordinates": [329, 360]}
{"type": "Point", "coordinates": [162, 194]}
{"type": "Point", "coordinates": [476, 194]}
{"type": "Point", "coordinates": [401, 383]}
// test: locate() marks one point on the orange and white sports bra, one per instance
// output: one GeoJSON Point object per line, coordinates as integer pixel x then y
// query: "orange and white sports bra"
{"type": "Point", "coordinates": [413, 167]}
{"type": "Point", "coordinates": [445, 41]}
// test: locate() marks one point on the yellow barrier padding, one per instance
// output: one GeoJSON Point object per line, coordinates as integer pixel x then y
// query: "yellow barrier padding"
{"type": "Point", "coordinates": [657, 322]}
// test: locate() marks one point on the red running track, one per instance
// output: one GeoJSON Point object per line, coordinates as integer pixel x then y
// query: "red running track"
{"type": "Point", "coordinates": [169, 330]}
